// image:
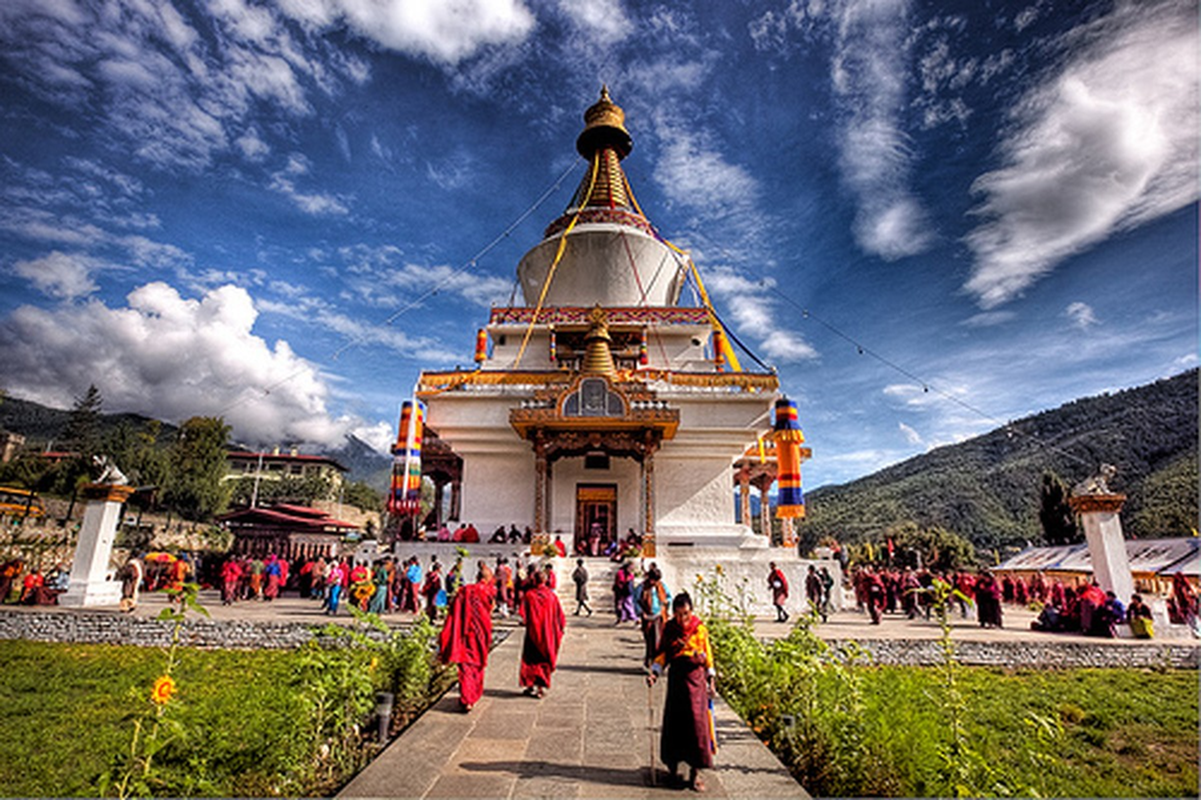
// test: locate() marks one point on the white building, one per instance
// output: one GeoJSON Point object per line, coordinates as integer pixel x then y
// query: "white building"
{"type": "Point", "coordinates": [602, 404]}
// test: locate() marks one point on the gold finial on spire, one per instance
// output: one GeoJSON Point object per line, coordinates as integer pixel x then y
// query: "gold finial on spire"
{"type": "Point", "coordinates": [598, 357]}
{"type": "Point", "coordinates": [604, 126]}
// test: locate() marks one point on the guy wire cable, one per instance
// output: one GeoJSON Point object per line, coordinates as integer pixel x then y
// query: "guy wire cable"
{"type": "Point", "coordinates": [554, 187]}
{"type": "Point", "coordinates": [862, 349]}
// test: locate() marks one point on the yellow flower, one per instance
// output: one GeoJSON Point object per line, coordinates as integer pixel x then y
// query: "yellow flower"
{"type": "Point", "coordinates": [374, 664]}
{"type": "Point", "coordinates": [719, 570]}
{"type": "Point", "coordinates": [164, 687]}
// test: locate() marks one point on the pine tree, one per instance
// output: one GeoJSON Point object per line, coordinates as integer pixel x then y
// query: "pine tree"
{"type": "Point", "coordinates": [83, 425]}
{"type": "Point", "coordinates": [1055, 514]}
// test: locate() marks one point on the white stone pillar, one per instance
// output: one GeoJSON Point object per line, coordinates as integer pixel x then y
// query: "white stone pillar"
{"type": "Point", "coordinates": [89, 584]}
{"type": "Point", "coordinates": [1106, 544]}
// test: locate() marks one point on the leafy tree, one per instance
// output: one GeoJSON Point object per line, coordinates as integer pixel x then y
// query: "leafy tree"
{"type": "Point", "coordinates": [1055, 514]}
{"type": "Point", "coordinates": [936, 547]}
{"type": "Point", "coordinates": [300, 490]}
{"type": "Point", "coordinates": [198, 459]}
{"type": "Point", "coordinates": [363, 497]}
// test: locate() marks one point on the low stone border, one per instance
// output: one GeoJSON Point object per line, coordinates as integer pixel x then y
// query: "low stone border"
{"type": "Point", "coordinates": [93, 627]}
{"type": "Point", "coordinates": [1068, 654]}
{"type": "Point", "coordinates": [100, 627]}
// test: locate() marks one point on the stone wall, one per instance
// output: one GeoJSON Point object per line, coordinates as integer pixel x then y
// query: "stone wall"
{"type": "Point", "coordinates": [109, 628]}
{"type": "Point", "coordinates": [1069, 653]}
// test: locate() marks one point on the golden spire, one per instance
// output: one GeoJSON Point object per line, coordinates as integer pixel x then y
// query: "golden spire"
{"type": "Point", "coordinates": [598, 358]}
{"type": "Point", "coordinates": [604, 126]}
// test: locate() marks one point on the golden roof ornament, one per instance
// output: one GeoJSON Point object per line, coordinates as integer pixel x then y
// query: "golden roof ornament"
{"type": "Point", "coordinates": [598, 357]}
{"type": "Point", "coordinates": [604, 126]}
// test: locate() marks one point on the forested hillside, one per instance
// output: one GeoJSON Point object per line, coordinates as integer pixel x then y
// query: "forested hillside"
{"type": "Point", "coordinates": [44, 428]}
{"type": "Point", "coordinates": [987, 488]}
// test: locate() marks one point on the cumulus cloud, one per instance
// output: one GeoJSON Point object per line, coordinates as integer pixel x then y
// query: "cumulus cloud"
{"type": "Point", "coordinates": [1105, 144]}
{"type": "Point", "coordinates": [59, 275]}
{"type": "Point", "coordinates": [173, 357]}
{"type": "Point", "coordinates": [1081, 315]}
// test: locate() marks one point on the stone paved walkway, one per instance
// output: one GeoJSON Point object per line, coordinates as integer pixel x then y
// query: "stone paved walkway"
{"type": "Point", "coordinates": [589, 737]}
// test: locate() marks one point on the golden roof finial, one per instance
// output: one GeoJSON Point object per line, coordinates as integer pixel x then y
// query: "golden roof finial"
{"type": "Point", "coordinates": [604, 126]}
{"type": "Point", "coordinates": [598, 357]}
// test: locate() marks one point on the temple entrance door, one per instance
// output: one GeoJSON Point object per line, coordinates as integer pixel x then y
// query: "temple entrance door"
{"type": "Point", "coordinates": [595, 517]}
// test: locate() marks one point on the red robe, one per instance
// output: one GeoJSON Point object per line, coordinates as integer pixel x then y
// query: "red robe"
{"type": "Point", "coordinates": [467, 637]}
{"type": "Point", "coordinates": [544, 621]}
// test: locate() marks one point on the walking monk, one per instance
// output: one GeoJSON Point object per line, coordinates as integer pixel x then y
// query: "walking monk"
{"type": "Point", "coordinates": [467, 635]}
{"type": "Point", "coordinates": [688, 734]}
{"type": "Point", "coordinates": [544, 621]}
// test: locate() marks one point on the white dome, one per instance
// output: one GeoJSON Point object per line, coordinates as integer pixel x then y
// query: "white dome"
{"type": "Point", "coordinates": [609, 264]}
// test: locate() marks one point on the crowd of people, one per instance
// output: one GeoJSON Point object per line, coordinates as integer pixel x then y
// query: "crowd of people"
{"type": "Point", "coordinates": [26, 585]}
{"type": "Point", "coordinates": [1085, 609]}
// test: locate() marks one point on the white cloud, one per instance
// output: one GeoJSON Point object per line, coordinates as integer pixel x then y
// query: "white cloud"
{"type": "Point", "coordinates": [911, 435]}
{"type": "Point", "coordinates": [444, 31]}
{"type": "Point", "coordinates": [314, 203]}
{"type": "Point", "coordinates": [177, 90]}
{"type": "Point", "coordinates": [693, 173]}
{"type": "Point", "coordinates": [605, 21]}
{"type": "Point", "coordinates": [173, 358]}
{"type": "Point", "coordinates": [59, 275]}
{"type": "Point", "coordinates": [1081, 315]}
{"type": "Point", "coordinates": [986, 319]}
{"type": "Point", "coordinates": [751, 310]}
{"type": "Point", "coordinates": [1107, 143]}
{"type": "Point", "coordinates": [868, 73]}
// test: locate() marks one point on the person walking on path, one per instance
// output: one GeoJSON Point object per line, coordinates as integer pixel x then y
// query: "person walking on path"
{"type": "Point", "coordinates": [813, 592]}
{"type": "Point", "coordinates": [623, 593]}
{"type": "Point", "coordinates": [542, 614]}
{"type": "Point", "coordinates": [653, 602]}
{"type": "Point", "coordinates": [433, 588]}
{"type": "Point", "coordinates": [466, 636]}
{"type": "Point", "coordinates": [131, 583]}
{"type": "Point", "coordinates": [688, 734]}
{"type": "Point", "coordinates": [873, 588]}
{"type": "Point", "coordinates": [779, 591]}
{"type": "Point", "coordinates": [988, 600]}
{"type": "Point", "coordinates": [580, 578]}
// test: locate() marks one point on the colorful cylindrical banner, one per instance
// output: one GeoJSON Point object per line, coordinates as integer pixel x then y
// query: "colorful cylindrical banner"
{"type": "Point", "coordinates": [788, 438]}
{"type": "Point", "coordinates": [481, 346]}
{"type": "Point", "coordinates": [404, 497]}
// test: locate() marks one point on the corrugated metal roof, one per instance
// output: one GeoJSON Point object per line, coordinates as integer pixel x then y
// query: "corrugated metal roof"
{"type": "Point", "coordinates": [1166, 556]}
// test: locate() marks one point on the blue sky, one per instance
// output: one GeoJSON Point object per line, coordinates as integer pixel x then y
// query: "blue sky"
{"type": "Point", "coordinates": [275, 211]}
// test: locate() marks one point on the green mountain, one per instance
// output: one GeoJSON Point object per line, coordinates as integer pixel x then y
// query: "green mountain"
{"type": "Point", "coordinates": [43, 427]}
{"type": "Point", "coordinates": [987, 488]}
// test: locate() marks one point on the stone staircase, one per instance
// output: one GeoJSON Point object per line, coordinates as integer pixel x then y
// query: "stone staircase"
{"type": "Point", "coordinates": [600, 584]}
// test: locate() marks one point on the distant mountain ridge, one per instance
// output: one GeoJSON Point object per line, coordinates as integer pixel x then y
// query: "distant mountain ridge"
{"type": "Point", "coordinates": [42, 426]}
{"type": "Point", "coordinates": [987, 488]}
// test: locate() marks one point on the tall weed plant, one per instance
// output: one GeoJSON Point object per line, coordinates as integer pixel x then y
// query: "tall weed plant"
{"type": "Point", "coordinates": [799, 694]}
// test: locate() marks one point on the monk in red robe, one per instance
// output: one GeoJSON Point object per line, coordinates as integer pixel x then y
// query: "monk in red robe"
{"type": "Point", "coordinates": [688, 732]}
{"type": "Point", "coordinates": [467, 635]}
{"type": "Point", "coordinates": [544, 621]}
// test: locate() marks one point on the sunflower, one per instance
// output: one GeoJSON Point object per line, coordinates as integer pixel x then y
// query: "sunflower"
{"type": "Point", "coordinates": [164, 687]}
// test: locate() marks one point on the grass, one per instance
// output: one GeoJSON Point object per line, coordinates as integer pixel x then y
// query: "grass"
{"type": "Point", "coordinates": [1125, 732]}
{"type": "Point", "coordinates": [66, 708]}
